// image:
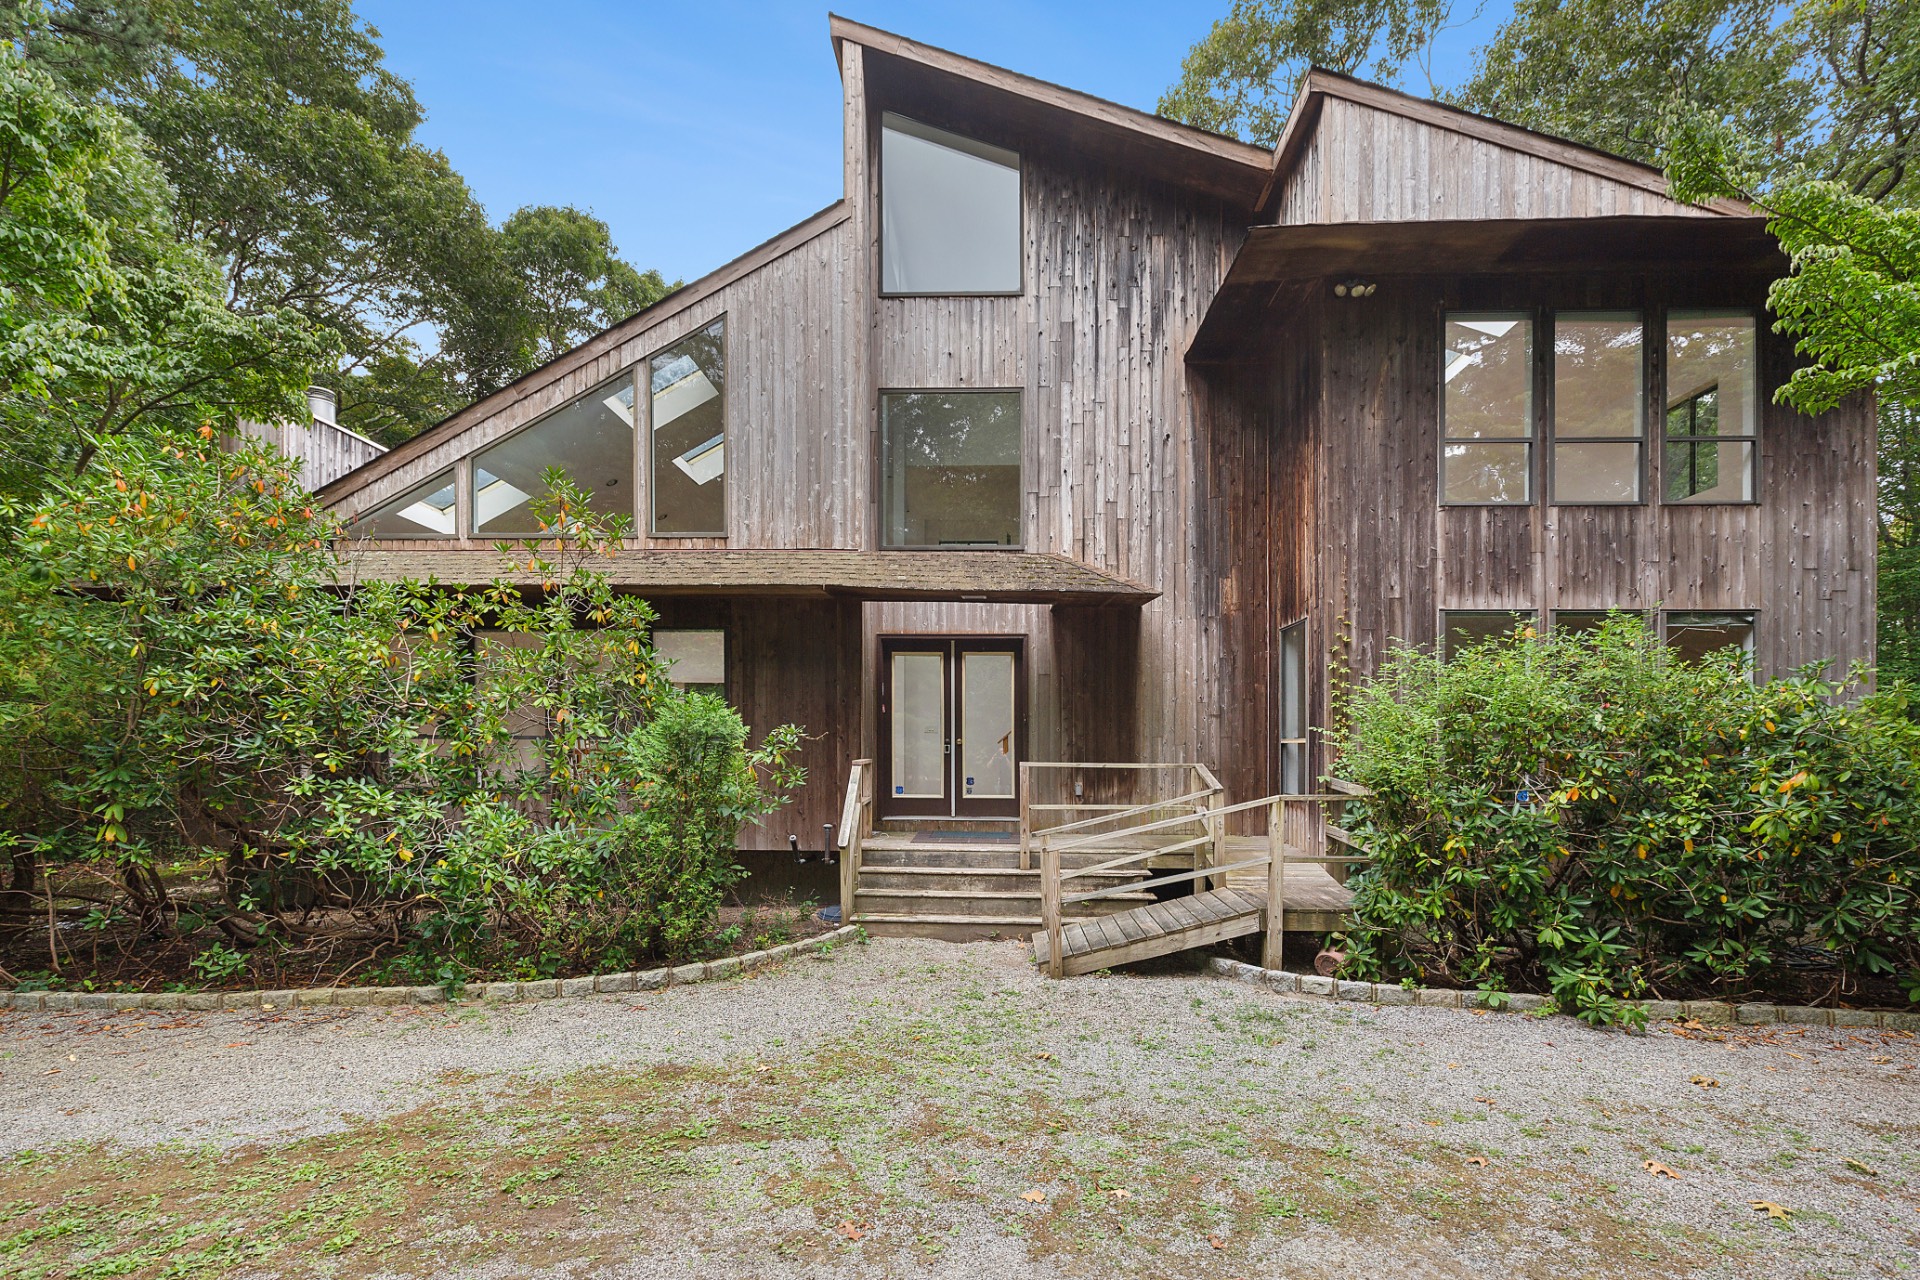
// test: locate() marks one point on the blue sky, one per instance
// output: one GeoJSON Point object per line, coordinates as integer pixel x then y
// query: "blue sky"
{"type": "Point", "coordinates": [698, 130]}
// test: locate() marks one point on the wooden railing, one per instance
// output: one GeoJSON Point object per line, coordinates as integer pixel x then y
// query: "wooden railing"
{"type": "Point", "coordinates": [1202, 789]}
{"type": "Point", "coordinates": [1294, 833]}
{"type": "Point", "coordinates": [856, 824]}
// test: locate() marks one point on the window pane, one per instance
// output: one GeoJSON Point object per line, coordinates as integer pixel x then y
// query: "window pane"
{"type": "Point", "coordinates": [1464, 629]}
{"type": "Point", "coordinates": [952, 463]}
{"type": "Point", "coordinates": [1596, 472]}
{"type": "Point", "coordinates": [689, 477]}
{"type": "Point", "coordinates": [1583, 621]}
{"type": "Point", "coordinates": [590, 439]}
{"type": "Point", "coordinates": [919, 746]}
{"type": "Point", "coordinates": [1709, 470]}
{"type": "Point", "coordinates": [1693, 636]}
{"type": "Point", "coordinates": [1597, 387]}
{"type": "Point", "coordinates": [694, 658]}
{"type": "Point", "coordinates": [1711, 392]}
{"type": "Point", "coordinates": [1488, 377]}
{"type": "Point", "coordinates": [949, 212]}
{"type": "Point", "coordinates": [422, 512]}
{"type": "Point", "coordinates": [986, 726]}
{"type": "Point", "coordinates": [1293, 708]}
{"type": "Point", "coordinates": [1486, 472]}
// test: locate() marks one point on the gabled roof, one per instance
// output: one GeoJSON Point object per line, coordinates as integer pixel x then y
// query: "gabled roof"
{"type": "Point", "coordinates": [1133, 141]}
{"type": "Point", "coordinates": [607, 339]}
{"type": "Point", "coordinates": [1319, 85]}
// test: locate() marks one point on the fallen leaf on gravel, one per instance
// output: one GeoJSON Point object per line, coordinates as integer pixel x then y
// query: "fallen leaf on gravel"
{"type": "Point", "coordinates": [1772, 1210]}
{"type": "Point", "coordinates": [1861, 1166]}
{"type": "Point", "coordinates": [1488, 1101]}
{"type": "Point", "coordinates": [1044, 1056]}
{"type": "Point", "coordinates": [269, 1006]}
{"type": "Point", "coordinates": [1705, 1082]}
{"type": "Point", "coordinates": [1453, 1066]}
{"type": "Point", "coordinates": [1659, 1170]}
{"type": "Point", "coordinates": [53, 1071]}
{"type": "Point", "coordinates": [1121, 1193]}
{"type": "Point", "coordinates": [1216, 1242]}
{"type": "Point", "coordinates": [852, 1232]}
{"type": "Point", "coordinates": [1791, 1054]}
{"type": "Point", "coordinates": [1479, 1160]}
{"type": "Point", "coordinates": [239, 1044]}
{"type": "Point", "coordinates": [1036, 1196]}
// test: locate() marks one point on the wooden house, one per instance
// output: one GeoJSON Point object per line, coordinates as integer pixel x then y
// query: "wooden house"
{"type": "Point", "coordinates": [1072, 434]}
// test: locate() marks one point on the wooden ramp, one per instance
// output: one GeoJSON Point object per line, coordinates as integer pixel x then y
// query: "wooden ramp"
{"type": "Point", "coordinates": [1162, 928]}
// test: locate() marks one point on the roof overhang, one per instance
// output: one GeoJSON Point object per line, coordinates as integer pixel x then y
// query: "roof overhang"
{"type": "Point", "coordinates": [904, 75]}
{"type": "Point", "coordinates": [1278, 267]}
{"type": "Point", "coordinates": [999, 577]}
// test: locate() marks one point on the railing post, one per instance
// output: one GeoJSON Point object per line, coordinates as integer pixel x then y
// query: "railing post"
{"type": "Point", "coordinates": [1217, 846]}
{"type": "Point", "coordinates": [1270, 950]}
{"type": "Point", "coordinates": [1050, 906]}
{"type": "Point", "coordinates": [1026, 816]}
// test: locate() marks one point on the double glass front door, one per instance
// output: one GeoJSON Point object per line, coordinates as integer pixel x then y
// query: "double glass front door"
{"type": "Point", "coordinates": [951, 715]}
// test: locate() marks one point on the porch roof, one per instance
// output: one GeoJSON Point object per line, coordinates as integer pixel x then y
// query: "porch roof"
{"type": "Point", "coordinates": [1001, 577]}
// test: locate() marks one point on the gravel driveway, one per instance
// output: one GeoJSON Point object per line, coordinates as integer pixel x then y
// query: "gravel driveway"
{"type": "Point", "coordinates": [928, 1109]}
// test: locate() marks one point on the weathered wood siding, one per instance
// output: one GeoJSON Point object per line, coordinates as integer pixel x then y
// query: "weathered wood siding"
{"type": "Point", "coordinates": [326, 452]}
{"type": "Point", "coordinates": [790, 662]}
{"type": "Point", "coordinates": [796, 476]}
{"type": "Point", "coordinates": [1387, 558]}
{"type": "Point", "coordinates": [1365, 164]}
{"type": "Point", "coordinates": [1117, 470]}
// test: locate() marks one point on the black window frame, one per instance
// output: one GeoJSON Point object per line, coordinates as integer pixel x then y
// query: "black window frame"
{"type": "Point", "coordinates": [1518, 617]}
{"type": "Point", "coordinates": [1551, 325]}
{"type": "Point", "coordinates": [1531, 441]}
{"type": "Point", "coordinates": [643, 386]}
{"type": "Point", "coordinates": [1666, 406]}
{"type": "Point", "coordinates": [883, 460]}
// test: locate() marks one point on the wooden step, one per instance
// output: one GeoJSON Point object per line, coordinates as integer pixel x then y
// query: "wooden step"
{"type": "Point", "coordinates": [966, 902]}
{"type": "Point", "coordinates": [981, 880]}
{"type": "Point", "coordinates": [1159, 929]}
{"type": "Point", "coordinates": [944, 928]}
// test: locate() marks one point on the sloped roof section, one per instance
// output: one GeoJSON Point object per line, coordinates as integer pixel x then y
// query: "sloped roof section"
{"type": "Point", "coordinates": [1002, 577]}
{"type": "Point", "coordinates": [903, 72]}
{"type": "Point", "coordinates": [1359, 152]}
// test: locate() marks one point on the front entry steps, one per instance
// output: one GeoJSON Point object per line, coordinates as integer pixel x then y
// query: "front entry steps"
{"type": "Point", "coordinates": [961, 891]}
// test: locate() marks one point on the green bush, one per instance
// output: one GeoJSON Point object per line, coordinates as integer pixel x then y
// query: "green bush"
{"type": "Point", "coordinates": [1586, 814]}
{"type": "Point", "coordinates": [194, 686]}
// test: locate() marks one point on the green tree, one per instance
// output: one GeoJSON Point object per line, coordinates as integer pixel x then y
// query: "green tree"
{"type": "Point", "coordinates": [1240, 78]}
{"type": "Point", "coordinates": [108, 323]}
{"type": "Point", "coordinates": [291, 147]}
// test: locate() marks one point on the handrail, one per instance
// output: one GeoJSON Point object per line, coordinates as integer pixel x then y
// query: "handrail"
{"type": "Point", "coordinates": [856, 824]}
{"type": "Point", "coordinates": [1243, 807]}
{"type": "Point", "coordinates": [1123, 813]}
{"type": "Point", "coordinates": [1211, 871]}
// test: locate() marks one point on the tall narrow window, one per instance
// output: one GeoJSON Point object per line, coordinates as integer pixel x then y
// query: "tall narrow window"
{"type": "Point", "coordinates": [591, 439]}
{"type": "Point", "coordinates": [1293, 708]}
{"type": "Point", "coordinates": [1487, 409]}
{"type": "Point", "coordinates": [949, 212]}
{"type": "Point", "coordinates": [951, 468]}
{"type": "Point", "coordinates": [425, 511]}
{"type": "Point", "coordinates": [1598, 399]}
{"type": "Point", "coordinates": [689, 428]}
{"type": "Point", "coordinates": [1712, 420]}
{"type": "Point", "coordinates": [1461, 629]}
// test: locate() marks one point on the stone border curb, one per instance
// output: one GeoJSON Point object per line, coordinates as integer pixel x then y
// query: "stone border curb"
{"type": "Point", "coordinates": [1713, 1013]}
{"type": "Point", "coordinates": [478, 992]}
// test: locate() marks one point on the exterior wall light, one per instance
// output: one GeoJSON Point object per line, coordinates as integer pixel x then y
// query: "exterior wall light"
{"type": "Point", "coordinates": [1354, 289]}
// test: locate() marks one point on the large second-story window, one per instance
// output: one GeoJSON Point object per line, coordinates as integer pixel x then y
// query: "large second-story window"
{"type": "Point", "coordinates": [689, 427]}
{"type": "Point", "coordinates": [591, 439]}
{"type": "Point", "coordinates": [1487, 409]}
{"type": "Point", "coordinates": [949, 212]}
{"type": "Point", "coordinates": [1598, 406]}
{"type": "Point", "coordinates": [950, 464]}
{"type": "Point", "coordinates": [1712, 419]}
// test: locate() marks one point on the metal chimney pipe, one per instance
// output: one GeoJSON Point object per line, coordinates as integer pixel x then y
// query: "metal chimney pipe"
{"type": "Point", "coordinates": [322, 404]}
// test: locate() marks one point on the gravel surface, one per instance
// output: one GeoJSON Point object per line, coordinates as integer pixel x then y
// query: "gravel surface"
{"type": "Point", "coordinates": [884, 1111]}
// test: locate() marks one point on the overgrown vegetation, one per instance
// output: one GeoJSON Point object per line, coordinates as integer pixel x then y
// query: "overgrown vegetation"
{"type": "Point", "coordinates": [1585, 814]}
{"type": "Point", "coordinates": [212, 726]}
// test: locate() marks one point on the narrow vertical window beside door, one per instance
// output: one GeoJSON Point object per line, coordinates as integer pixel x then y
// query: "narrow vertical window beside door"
{"type": "Point", "coordinates": [1293, 708]}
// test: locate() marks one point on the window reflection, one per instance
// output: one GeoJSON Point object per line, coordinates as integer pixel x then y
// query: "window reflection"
{"type": "Point", "coordinates": [949, 212]}
{"type": "Point", "coordinates": [952, 468]}
{"type": "Point", "coordinates": [591, 439]}
{"type": "Point", "coordinates": [425, 511]}
{"type": "Point", "coordinates": [1487, 406]}
{"type": "Point", "coordinates": [689, 471]}
{"type": "Point", "coordinates": [1712, 418]}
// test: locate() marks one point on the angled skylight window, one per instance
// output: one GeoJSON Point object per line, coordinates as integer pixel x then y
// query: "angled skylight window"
{"type": "Point", "coordinates": [949, 212]}
{"type": "Point", "coordinates": [591, 439]}
{"type": "Point", "coordinates": [689, 429]}
{"type": "Point", "coordinates": [425, 511]}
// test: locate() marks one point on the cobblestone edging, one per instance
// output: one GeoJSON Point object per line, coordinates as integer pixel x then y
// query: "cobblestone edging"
{"type": "Point", "coordinates": [1708, 1012]}
{"type": "Point", "coordinates": [495, 992]}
